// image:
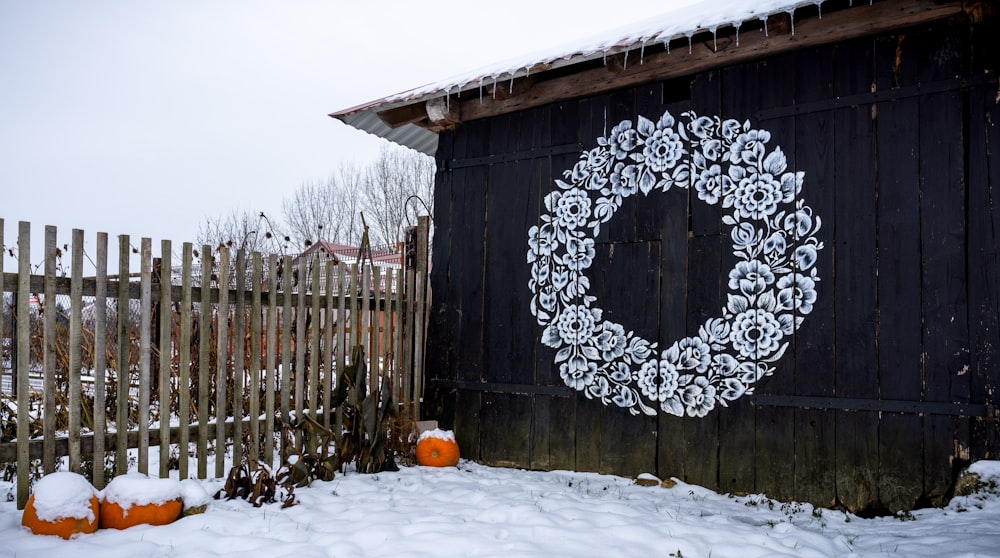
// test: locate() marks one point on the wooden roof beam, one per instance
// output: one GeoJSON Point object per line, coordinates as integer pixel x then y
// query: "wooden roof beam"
{"type": "Point", "coordinates": [836, 26]}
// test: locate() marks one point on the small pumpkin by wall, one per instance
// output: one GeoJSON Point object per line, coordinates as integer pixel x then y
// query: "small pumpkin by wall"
{"type": "Point", "coordinates": [437, 448]}
{"type": "Point", "coordinates": [62, 504]}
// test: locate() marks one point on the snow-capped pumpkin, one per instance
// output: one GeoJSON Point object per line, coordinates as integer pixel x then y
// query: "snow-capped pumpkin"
{"type": "Point", "coordinates": [136, 499]}
{"type": "Point", "coordinates": [113, 516]}
{"type": "Point", "coordinates": [437, 448]}
{"type": "Point", "coordinates": [62, 504]}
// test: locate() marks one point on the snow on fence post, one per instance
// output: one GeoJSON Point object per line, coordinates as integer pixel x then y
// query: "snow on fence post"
{"type": "Point", "coordinates": [184, 362]}
{"type": "Point", "coordinates": [23, 349]}
{"type": "Point", "coordinates": [100, 356]}
{"type": "Point", "coordinates": [75, 342]}
{"type": "Point", "coordinates": [204, 366]}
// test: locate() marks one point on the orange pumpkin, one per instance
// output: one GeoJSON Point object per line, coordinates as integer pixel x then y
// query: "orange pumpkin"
{"type": "Point", "coordinates": [437, 449]}
{"type": "Point", "coordinates": [65, 527]}
{"type": "Point", "coordinates": [114, 517]}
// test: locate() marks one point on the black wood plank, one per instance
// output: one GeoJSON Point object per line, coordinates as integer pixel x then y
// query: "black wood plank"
{"type": "Point", "coordinates": [737, 422]}
{"type": "Point", "coordinates": [814, 357]}
{"type": "Point", "coordinates": [506, 429]}
{"type": "Point", "coordinates": [854, 292]}
{"type": "Point", "coordinates": [942, 236]}
{"type": "Point", "coordinates": [899, 329]}
{"type": "Point", "coordinates": [441, 341]}
{"type": "Point", "coordinates": [706, 101]}
{"type": "Point", "coordinates": [466, 280]}
{"type": "Point", "coordinates": [775, 431]}
{"type": "Point", "coordinates": [626, 281]}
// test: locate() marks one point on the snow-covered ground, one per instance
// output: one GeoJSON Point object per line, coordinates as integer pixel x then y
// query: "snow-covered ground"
{"type": "Point", "coordinates": [473, 510]}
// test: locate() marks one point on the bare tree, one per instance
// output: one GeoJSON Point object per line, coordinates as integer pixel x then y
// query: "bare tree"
{"type": "Point", "coordinates": [241, 228]}
{"type": "Point", "coordinates": [398, 186]}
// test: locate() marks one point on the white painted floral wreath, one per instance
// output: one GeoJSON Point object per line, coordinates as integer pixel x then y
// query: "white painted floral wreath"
{"type": "Point", "coordinates": [772, 286]}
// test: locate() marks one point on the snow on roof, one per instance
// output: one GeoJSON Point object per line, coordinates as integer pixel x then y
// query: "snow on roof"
{"type": "Point", "coordinates": [704, 16]}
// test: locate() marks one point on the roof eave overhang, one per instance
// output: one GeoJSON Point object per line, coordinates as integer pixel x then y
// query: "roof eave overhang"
{"type": "Point", "coordinates": [414, 119]}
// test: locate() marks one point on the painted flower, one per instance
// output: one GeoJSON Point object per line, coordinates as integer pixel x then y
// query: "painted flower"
{"type": "Point", "coordinates": [749, 147]}
{"type": "Point", "coordinates": [662, 149]}
{"type": "Point", "coordinates": [657, 379]}
{"type": "Point", "coordinates": [693, 354]}
{"type": "Point", "coordinates": [611, 342]}
{"type": "Point", "coordinates": [775, 244]}
{"type": "Point", "coordinates": [577, 372]}
{"type": "Point", "coordinates": [744, 236]}
{"type": "Point", "coordinates": [624, 180]}
{"type": "Point", "coordinates": [731, 129]}
{"type": "Point", "coordinates": [541, 240]}
{"type": "Point", "coordinates": [622, 139]}
{"type": "Point", "coordinates": [579, 253]}
{"type": "Point", "coordinates": [600, 388]}
{"type": "Point", "coordinates": [798, 224]}
{"type": "Point", "coordinates": [702, 127]}
{"type": "Point", "coordinates": [571, 208]}
{"type": "Point", "coordinates": [796, 292]}
{"type": "Point", "coordinates": [805, 256]}
{"type": "Point", "coordinates": [698, 397]}
{"type": "Point", "coordinates": [756, 333]}
{"type": "Point", "coordinates": [624, 397]}
{"type": "Point", "coordinates": [715, 331]}
{"type": "Point", "coordinates": [756, 196]}
{"type": "Point", "coordinates": [708, 184]}
{"type": "Point", "coordinates": [731, 389]}
{"type": "Point", "coordinates": [723, 366]}
{"type": "Point", "coordinates": [576, 324]}
{"type": "Point", "coordinates": [751, 277]}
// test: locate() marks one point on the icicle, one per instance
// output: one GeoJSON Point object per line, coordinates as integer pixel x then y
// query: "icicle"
{"type": "Point", "coordinates": [512, 83]}
{"type": "Point", "coordinates": [737, 26]}
{"type": "Point", "coordinates": [642, 52]}
{"type": "Point", "coordinates": [480, 90]}
{"type": "Point", "coordinates": [447, 99]}
{"type": "Point", "coordinates": [764, 19]}
{"type": "Point", "coordinates": [691, 34]}
{"type": "Point", "coordinates": [819, 6]}
{"type": "Point", "coordinates": [494, 87]}
{"type": "Point", "coordinates": [715, 39]}
{"type": "Point", "coordinates": [666, 45]}
{"type": "Point", "coordinates": [625, 63]}
{"type": "Point", "coordinates": [791, 17]}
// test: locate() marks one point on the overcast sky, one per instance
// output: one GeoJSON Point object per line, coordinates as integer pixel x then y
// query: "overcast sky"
{"type": "Point", "coordinates": [146, 117]}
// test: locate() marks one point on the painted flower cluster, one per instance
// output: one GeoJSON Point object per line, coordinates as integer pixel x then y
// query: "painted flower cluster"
{"type": "Point", "coordinates": [772, 286]}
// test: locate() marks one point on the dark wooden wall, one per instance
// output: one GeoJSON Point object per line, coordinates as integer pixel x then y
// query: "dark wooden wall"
{"type": "Point", "coordinates": [885, 389]}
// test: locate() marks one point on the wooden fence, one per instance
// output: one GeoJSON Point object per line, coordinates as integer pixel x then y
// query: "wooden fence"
{"type": "Point", "coordinates": [269, 344]}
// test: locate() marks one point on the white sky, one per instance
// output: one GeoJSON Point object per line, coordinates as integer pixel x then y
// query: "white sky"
{"type": "Point", "coordinates": [145, 117]}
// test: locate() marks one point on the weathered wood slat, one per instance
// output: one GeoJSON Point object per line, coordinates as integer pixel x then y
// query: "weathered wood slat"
{"type": "Point", "coordinates": [254, 369]}
{"type": "Point", "coordinates": [222, 359]}
{"type": "Point", "coordinates": [815, 357]}
{"type": "Point", "coordinates": [239, 350]}
{"type": "Point", "coordinates": [49, 353]}
{"type": "Point", "coordinates": [100, 354]}
{"type": "Point", "coordinates": [145, 348]}
{"type": "Point", "coordinates": [165, 351]}
{"type": "Point", "coordinates": [184, 362]}
{"type": "Point", "coordinates": [204, 366]}
{"type": "Point", "coordinates": [23, 340]}
{"type": "Point", "coordinates": [123, 375]}
{"type": "Point", "coordinates": [75, 340]}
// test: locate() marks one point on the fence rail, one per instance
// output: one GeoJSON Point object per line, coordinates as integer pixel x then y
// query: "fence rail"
{"type": "Point", "coordinates": [225, 362]}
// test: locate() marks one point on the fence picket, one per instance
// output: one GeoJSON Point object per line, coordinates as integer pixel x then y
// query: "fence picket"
{"type": "Point", "coordinates": [145, 319]}
{"type": "Point", "coordinates": [75, 342]}
{"type": "Point", "coordinates": [49, 357]}
{"type": "Point", "coordinates": [272, 349]}
{"type": "Point", "coordinates": [100, 356]}
{"type": "Point", "coordinates": [254, 369]}
{"type": "Point", "coordinates": [313, 331]}
{"type": "Point", "coordinates": [239, 348]}
{"type": "Point", "coordinates": [222, 362]}
{"type": "Point", "coordinates": [23, 347]}
{"type": "Point", "coordinates": [163, 383]}
{"type": "Point", "coordinates": [184, 362]}
{"type": "Point", "coordinates": [124, 354]}
{"type": "Point", "coordinates": [204, 364]}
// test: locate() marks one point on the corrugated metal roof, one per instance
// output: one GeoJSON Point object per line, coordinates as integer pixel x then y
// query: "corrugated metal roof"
{"type": "Point", "coordinates": [705, 16]}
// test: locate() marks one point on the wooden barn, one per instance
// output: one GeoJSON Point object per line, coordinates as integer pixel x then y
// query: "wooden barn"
{"type": "Point", "coordinates": [750, 245]}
